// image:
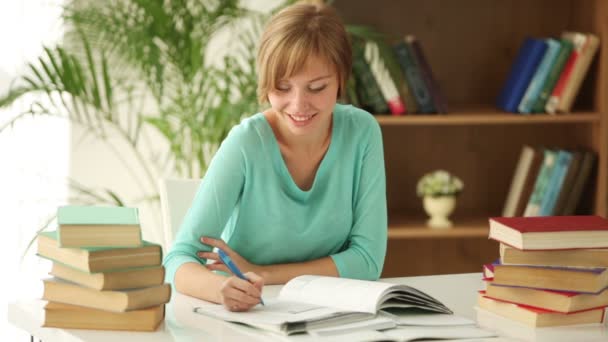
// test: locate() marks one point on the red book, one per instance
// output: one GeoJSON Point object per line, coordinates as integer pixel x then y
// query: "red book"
{"type": "Point", "coordinates": [559, 301]}
{"type": "Point", "coordinates": [537, 317]}
{"type": "Point", "coordinates": [550, 232]}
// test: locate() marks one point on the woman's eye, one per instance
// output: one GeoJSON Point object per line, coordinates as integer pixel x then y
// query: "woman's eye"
{"type": "Point", "coordinates": [317, 89]}
{"type": "Point", "coordinates": [282, 88]}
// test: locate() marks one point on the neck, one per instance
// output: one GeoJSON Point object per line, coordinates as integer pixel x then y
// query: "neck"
{"type": "Point", "coordinates": [309, 144]}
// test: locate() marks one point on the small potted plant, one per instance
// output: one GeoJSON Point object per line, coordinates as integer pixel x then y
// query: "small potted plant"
{"type": "Point", "coordinates": [438, 190]}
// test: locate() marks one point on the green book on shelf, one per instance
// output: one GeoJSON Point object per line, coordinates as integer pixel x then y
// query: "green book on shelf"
{"type": "Point", "coordinates": [93, 226]}
{"type": "Point", "coordinates": [368, 89]}
{"type": "Point", "coordinates": [554, 72]}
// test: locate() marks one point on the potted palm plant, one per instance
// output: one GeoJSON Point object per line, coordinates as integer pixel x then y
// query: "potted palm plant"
{"type": "Point", "coordinates": [127, 68]}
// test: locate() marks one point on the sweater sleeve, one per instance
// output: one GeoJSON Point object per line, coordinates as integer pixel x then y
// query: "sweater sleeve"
{"type": "Point", "coordinates": [364, 255]}
{"type": "Point", "coordinates": [212, 205]}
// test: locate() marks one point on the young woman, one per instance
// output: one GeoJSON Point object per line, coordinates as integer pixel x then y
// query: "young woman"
{"type": "Point", "coordinates": [297, 189]}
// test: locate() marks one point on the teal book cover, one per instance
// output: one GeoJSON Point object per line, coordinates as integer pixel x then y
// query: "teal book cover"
{"type": "Point", "coordinates": [548, 201]}
{"type": "Point", "coordinates": [538, 80]}
{"type": "Point", "coordinates": [540, 186]}
{"type": "Point", "coordinates": [97, 215]}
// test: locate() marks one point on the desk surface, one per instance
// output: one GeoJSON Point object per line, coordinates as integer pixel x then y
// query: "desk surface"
{"type": "Point", "coordinates": [457, 291]}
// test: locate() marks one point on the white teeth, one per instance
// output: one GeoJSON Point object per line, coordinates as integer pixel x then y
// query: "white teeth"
{"type": "Point", "coordinates": [301, 118]}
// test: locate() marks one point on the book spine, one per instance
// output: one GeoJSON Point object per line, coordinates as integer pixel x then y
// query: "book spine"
{"type": "Point", "coordinates": [540, 187]}
{"type": "Point", "coordinates": [578, 41]}
{"type": "Point", "coordinates": [437, 97]}
{"type": "Point", "coordinates": [569, 180]}
{"type": "Point", "coordinates": [528, 188]}
{"type": "Point", "coordinates": [554, 74]}
{"type": "Point", "coordinates": [534, 88]}
{"type": "Point", "coordinates": [555, 183]}
{"type": "Point", "coordinates": [578, 74]}
{"type": "Point", "coordinates": [528, 57]}
{"type": "Point", "coordinates": [384, 79]}
{"type": "Point", "coordinates": [579, 184]}
{"type": "Point", "coordinates": [368, 88]}
{"type": "Point", "coordinates": [413, 77]}
{"type": "Point", "coordinates": [517, 183]}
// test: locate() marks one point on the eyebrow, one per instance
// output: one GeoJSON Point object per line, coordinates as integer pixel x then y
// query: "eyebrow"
{"type": "Point", "coordinates": [320, 78]}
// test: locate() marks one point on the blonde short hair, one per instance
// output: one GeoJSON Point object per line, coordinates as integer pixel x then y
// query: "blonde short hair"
{"type": "Point", "coordinates": [294, 34]}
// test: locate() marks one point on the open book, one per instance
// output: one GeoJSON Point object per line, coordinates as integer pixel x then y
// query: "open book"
{"type": "Point", "coordinates": [313, 302]}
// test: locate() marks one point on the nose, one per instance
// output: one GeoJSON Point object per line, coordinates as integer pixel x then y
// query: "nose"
{"type": "Point", "coordinates": [300, 100]}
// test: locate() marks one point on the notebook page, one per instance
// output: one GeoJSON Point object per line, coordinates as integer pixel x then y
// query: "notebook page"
{"type": "Point", "coordinates": [340, 293]}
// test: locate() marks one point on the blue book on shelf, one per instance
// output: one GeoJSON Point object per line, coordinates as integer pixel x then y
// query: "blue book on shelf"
{"type": "Point", "coordinates": [528, 58]}
{"type": "Point", "coordinates": [562, 163]}
{"type": "Point", "coordinates": [540, 76]}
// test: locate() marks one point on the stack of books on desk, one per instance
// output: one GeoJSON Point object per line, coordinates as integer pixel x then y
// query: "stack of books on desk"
{"type": "Point", "coordinates": [552, 270]}
{"type": "Point", "coordinates": [104, 276]}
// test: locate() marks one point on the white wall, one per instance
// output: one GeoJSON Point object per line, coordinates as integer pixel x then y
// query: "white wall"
{"type": "Point", "coordinates": [33, 155]}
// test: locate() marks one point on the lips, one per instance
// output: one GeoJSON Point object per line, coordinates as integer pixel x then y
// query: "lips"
{"type": "Point", "coordinates": [301, 117]}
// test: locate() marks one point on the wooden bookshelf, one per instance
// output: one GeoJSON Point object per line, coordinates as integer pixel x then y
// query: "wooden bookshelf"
{"type": "Point", "coordinates": [470, 46]}
{"type": "Point", "coordinates": [486, 118]}
{"type": "Point", "coordinates": [406, 227]}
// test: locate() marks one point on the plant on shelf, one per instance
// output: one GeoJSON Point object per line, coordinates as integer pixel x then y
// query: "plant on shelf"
{"type": "Point", "coordinates": [439, 190]}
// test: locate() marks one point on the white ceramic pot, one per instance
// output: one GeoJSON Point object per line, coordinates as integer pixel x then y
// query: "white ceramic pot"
{"type": "Point", "coordinates": [439, 209]}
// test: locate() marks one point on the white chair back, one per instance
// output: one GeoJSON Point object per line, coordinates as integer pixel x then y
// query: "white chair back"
{"type": "Point", "coordinates": [176, 196]}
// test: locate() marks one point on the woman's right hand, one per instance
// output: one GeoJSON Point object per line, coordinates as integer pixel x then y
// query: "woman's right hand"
{"type": "Point", "coordinates": [237, 294]}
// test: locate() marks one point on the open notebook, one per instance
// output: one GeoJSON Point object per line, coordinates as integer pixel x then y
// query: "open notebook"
{"type": "Point", "coordinates": [313, 302]}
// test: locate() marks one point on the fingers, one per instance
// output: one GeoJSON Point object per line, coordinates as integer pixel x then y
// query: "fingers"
{"type": "Point", "coordinates": [209, 256]}
{"type": "Point", "coordinates": [219, 243]}
{"type": "Point", "coordinates": [239, 295]}
{"type": "Point", "coordinates": [258, 282]}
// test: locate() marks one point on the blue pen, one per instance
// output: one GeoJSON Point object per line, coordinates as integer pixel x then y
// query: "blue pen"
{"type": "Point", "coordinates": [228, 262]}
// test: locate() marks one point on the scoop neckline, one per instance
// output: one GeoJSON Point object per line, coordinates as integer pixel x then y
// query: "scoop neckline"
{"type": "Point", "coordinates": [282, 165]}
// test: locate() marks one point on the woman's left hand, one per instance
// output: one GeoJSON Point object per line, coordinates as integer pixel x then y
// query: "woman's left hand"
{"type": "Point", "coordinates": [217, 265]}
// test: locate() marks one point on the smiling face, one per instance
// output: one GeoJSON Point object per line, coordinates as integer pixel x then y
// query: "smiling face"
{"type": "Point", "coordinates": [303, 103]}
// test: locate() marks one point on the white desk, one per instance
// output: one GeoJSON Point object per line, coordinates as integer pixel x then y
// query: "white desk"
{"type": "Point", "coordinates": [457, 291]}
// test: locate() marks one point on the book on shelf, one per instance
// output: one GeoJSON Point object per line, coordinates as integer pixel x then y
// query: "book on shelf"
{"type": "Point", "coordinates": [586, 257]}
{"type": "Point", "coordinates": [580, 181]}
{"type": "Point", "coordinates": [579, 71]}
{"type": "Point", "coordinates": [550, 232]}
{"type": "Point", "coordinates": [311, 302]}
{"type": "Point", "coordinates": [537, 317]}
{"type": "Point", "coordinates": [529, 181]}
{"type": "Point", "coordinates": [65, 316]}
{"type": "Point", "coordinates": [61, 291]}
{"type": "Point", "coordinates": [568, 182]}
{"type": "Point", "coordinates": [115, 280]}
{"type": "Point", "coordinates": [578, 41]}
{"type": "Point", "coordinates": [555, 182]}
{"type": "Point", "coordinates": [98, 259]}
{"type": "Point", "coordinates": [556, 69]}
{"type": "Point", "coordinates": [558, 301]}
{"type": "Point", "coordinates": [92, 226]}
{"type": "Point", "coordinates": [522, 70]}
{"type": "Point", "coordinates": [522, 171]}
{"type": "Point", "coordinates": [411, 71]}
{"type": "Point", "coordinates": [367, 87]}
{"type": "Point", "coordinates": [383, 78]}
{"type": "Point", "coordinates": [538, 79]}
{"type": "Point", "coordinates": [558, 278]}
{"type": "Point", "coordinates": [428, 77]}
{"type": "Point", "coordinates": [541, 183]}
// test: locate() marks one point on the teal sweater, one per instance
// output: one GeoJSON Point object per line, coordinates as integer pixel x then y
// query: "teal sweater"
{"type": "Point", "coordinates": [249, 199]}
